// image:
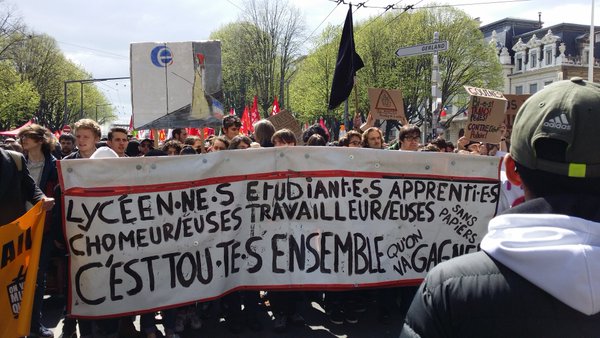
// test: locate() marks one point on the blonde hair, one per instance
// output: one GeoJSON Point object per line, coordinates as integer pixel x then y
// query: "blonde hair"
{"type": "Point", "coordinates": [90, 125]}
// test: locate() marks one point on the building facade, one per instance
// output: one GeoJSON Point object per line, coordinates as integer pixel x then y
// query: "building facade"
{"type": "Point", "coordinates": [533, 56]}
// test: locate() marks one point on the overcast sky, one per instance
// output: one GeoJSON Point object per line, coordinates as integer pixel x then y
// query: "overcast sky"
{"type": "Point", "coordinates": [97, 34]}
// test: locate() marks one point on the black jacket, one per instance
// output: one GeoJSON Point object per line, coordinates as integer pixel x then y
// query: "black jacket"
{"type": "Point", "coordinates": [477, 296]}
{"type": "Point", "coordinates": [16, 188]}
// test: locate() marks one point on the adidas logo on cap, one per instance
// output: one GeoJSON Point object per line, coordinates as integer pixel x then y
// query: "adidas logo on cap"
{"type": "Point", "coordinates": [559, 122]}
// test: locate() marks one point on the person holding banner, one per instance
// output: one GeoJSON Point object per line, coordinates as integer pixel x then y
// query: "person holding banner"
{"type": "Point", "coordinates": [231, 126]}
{"type": "Point", "coordinates": [38, 144]}
{"type": "Point", "coordinates": [240, 142]}
{"type": "Point", "coordinates": [537, 274]}
{"type": "Point", "coordinates": [373, 138]}
{"type": "Point", "coordinates": [409, 137]}
{"type": "Point", "coordinates": [263, 131]}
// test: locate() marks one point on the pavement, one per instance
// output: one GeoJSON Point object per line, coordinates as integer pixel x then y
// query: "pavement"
{"type": "Point", "coordinates": [316, 324]}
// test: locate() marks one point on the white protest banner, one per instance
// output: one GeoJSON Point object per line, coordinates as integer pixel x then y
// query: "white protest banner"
{"type": "Point", "coordinates": [156, 232]}
{"type": "Point", "coordinates": [176, 84]}
{"type": "Point", "coordinates": [486, 115]}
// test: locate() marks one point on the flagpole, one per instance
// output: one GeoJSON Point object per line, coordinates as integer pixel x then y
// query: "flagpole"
{"type": "Point", "coordinates": [355, 97]}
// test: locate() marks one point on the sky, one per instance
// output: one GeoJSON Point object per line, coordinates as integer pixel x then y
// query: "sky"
{"type": "Point", "coordinates": [96, 34]}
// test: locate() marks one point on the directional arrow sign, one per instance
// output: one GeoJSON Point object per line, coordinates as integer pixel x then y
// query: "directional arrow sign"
{"type": "Point", "coordinates": [423, 49]}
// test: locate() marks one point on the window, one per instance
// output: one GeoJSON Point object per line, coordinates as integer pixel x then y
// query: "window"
{"type": "Point", "coordinates": [519, 63]}
{"type": "Point", "coordinates": [546, 83]}
{"type": "Point", "coordinates": [533, 88]}
{"type": "Point", "coordinates": [533, 60]}
{"type": "Point", "coordinates": [519, 90]}
{"type": "Point", "coordinates": [548, 56]}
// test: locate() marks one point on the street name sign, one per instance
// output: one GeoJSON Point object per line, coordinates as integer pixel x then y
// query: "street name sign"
{"type": "Point", "coordinates": [423, 49]}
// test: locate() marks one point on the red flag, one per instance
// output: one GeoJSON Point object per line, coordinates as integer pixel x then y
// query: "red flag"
{"type": "Point", "coordinates": [193, 131]}
{"type": "Point", "coordinates": [131, 123]}
{"type": "Point", "coordinates": [246, 123]}
{"type": "Point", "coordinates": [275, 107]}
{"type": "Point", "coordinates": [162, 135]}
{"type": "Point", "coordinates": [231, 111]}
{"type": "Point", "coordinates": [57, 134]}
{"type": "Point", "coordinates": [207, 132]}
{"type": "Point", "coordinates": [254, 114]}
{"type": "Point", "coordinates": [151, 134]}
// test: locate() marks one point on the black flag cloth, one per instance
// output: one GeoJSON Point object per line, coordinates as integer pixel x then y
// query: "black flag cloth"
{"type": "Point", "coordinates": [348, 62]}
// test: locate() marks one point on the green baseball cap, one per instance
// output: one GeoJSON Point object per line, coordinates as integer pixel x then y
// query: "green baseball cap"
{"type": "Point", "coordinates": [567, 111]}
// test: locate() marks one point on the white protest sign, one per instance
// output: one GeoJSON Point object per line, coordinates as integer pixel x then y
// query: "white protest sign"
{"type": "Point", "coordinates": [148, 233]}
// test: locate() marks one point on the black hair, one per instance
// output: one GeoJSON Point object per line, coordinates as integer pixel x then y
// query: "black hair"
{"type": "Point", "coordinates": [235, 142]}
{"type": "Point", "coordinates": [231, 120]}
{"type": "Point", "coordinates": [188, 150]}
{"type": "Point", "coordinates": [316, 140]}
{"type": "Point", "coordinates": [315, 129]}
{"type": "Point", "coordinates": [132, 149]}
{"type": "Point", "coordinates": [68, 137]}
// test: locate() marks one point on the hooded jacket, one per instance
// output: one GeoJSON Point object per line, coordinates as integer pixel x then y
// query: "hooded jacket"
{"type": "Point", "coordinates": [537, 276]}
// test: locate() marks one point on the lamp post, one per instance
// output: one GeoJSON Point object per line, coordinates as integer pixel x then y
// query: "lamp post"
{"type": "Point", "coordinates": [82, 82]}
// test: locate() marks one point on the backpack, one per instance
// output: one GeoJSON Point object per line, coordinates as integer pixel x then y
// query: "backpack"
{"type": "Point", "coordinates": [17, 159]}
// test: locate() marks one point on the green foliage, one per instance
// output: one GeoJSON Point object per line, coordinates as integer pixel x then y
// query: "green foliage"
{"type": "Point", "coordinates": [237, 68]}
{"type": "Point", "coordinates": [469, 61]}
{"type": "Point", "coordinates": [258, 53]}
{"type": "Point", "coordinates": [17, 98]}
{"type": "Point", "coordinates": [311, 84]}
{"type": "Point", "coordinates": [32, 79]}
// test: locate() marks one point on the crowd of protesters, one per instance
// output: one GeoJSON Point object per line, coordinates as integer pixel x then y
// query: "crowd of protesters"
{"type": "Point", "coordinates": [241, 309]}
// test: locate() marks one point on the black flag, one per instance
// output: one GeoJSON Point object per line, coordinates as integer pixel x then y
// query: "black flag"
{"type": "Point", "coordinates": [348, 62]}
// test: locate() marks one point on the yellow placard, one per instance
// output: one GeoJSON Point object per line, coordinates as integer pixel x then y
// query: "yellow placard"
{"type": "Point", "coordinates": [21, 243]}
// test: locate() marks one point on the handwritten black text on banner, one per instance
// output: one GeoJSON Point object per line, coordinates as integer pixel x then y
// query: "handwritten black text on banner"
{"type": "Point", "coordinates": [173, 243]}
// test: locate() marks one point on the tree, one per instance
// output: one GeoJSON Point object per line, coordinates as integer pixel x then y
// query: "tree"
{"type": "Point", "coordinates": [469, 61]}
{"type": "Point", "coordinates": [12, 29]}
{"type": "Point", "coordinates": [17, 98]}
{"type": "Point", "coordinates": [38, 60]}
{"type": "Point", "coordinates": [311, 84]}
{"type": "Point", "coordinates": [274, 30]}
{"type": "Point", "coordinates": [237, 70]}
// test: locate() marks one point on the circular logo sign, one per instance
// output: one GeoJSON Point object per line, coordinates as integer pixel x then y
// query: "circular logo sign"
{"type": "Point", "coordinates": [66, 129]}
{"type": "Point", "coordinates": [161, 56]}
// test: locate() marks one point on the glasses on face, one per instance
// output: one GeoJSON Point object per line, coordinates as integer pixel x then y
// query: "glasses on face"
{"type": "Point", "coordinates": [29, 136]}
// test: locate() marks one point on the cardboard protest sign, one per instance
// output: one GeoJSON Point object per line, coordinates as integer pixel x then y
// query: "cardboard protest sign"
{"type": "Point", "coordinates": [485, 115]}
{"type": "Point", "coordinates": [513, 103]}
{"type": "Point", "coordinates": [20, 255]}
{"type": "Point", "coordinates": [387, 104]}
{"type": "Point", "coordinates": [176, 84]}
{"type": "Point", "coordinates": [285, 119]}
{"type": "Point", "coordinates": [154, 232]}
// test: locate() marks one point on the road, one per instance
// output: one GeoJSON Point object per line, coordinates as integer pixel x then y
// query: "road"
{"type": "Point", "coordinates": [317, 323]}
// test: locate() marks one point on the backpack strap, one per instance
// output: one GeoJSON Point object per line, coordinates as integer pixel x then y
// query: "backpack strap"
{"type": "Point", "coordinates": [17, 159]}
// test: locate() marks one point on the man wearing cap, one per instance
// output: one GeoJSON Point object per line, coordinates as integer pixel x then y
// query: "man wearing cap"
{"type": "Point", "coordinates": [538, 272]}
